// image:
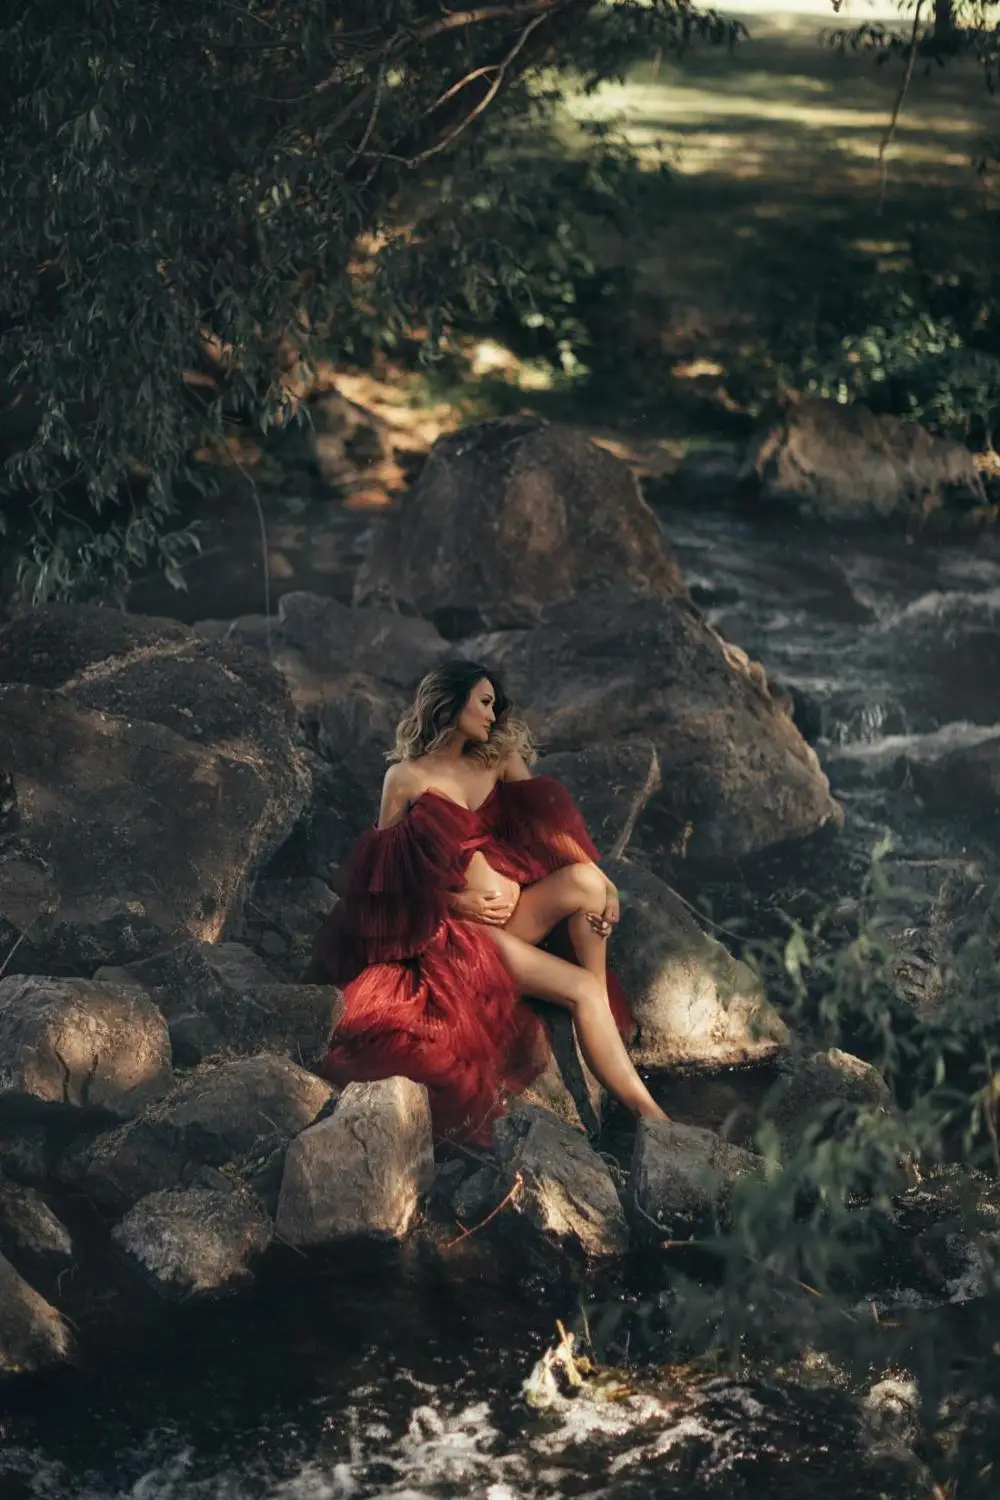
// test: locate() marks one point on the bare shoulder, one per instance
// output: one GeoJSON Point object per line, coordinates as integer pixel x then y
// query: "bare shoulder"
{"type": "Point", "coordinates": [403, 782]}
{"type": "Point", "coordinates": [515, 768]}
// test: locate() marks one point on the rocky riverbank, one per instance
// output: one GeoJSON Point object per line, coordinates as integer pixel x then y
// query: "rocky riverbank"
{"type": "Point", "coordinates": [173, 804]}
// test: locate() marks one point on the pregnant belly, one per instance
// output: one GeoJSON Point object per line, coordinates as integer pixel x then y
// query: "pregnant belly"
{"type": "Point", "coordinates": [480, 876]}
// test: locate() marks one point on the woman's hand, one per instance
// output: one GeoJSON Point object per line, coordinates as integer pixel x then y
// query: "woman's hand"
{"type": "Point", "coordinates": [493, 908]}
{"type": "Point", "coordinates": [606, 921]}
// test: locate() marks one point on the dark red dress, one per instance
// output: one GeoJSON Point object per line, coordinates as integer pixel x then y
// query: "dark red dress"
{"type": "Point", "coordinates": [427, 996]}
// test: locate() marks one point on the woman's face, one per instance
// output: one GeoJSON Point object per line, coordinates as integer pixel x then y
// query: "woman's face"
{"type": "Point", "coordinates": [478, 716]}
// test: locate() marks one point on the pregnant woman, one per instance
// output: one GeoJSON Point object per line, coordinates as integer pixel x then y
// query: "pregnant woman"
{"type": "Point", "coordinates": [473, 863]}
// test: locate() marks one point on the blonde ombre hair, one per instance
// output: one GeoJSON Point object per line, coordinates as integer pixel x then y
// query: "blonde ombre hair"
{"type": "Point", "coordinates": [437, 707]}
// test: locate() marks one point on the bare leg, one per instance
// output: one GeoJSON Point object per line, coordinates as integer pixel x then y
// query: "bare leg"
{"type": "Point", "coordinates": [572, 893]}
{"type": "Point", "coordinates": [579, 992]}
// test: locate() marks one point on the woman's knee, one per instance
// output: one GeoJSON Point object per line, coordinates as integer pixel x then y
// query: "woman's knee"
{"type": "Point", "coordinates": [587, 882]}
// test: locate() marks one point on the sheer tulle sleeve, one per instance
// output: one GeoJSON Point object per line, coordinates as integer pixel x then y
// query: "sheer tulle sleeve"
{"type": "Point", "coordinates": [396, 881]}
{"type": "Point", "coordinates": [540, 818]}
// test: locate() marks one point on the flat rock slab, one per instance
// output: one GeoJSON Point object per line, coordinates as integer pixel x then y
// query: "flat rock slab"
{"type": "Point", "coordinates": [510, 515]}
{"type": "Point", "coordinates": [230, 1113]}
{"type": "Point", "coordinates": [363, 1172]}
{"type": "Point", "coordinates": [563, 1205]}
{"type": "Point", "coordinates": [736, 775]}
{"type": "Point", "coordinates": [33, 1335]}
{"type": "Point", "coordinates": [682, 1180]}
{"type": "Point", "coordinates": [221, 999]}
{"type": "Point", "coordinates": [695, 1006]}
{"type": "Point", "coordinates": [195, 1242]}
{"type": "Point", "coordinates": [82, 1043]}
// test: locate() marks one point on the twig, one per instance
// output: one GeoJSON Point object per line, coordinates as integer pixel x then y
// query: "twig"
{"type": "Point", "coordinates": [475, 1228]}
{"type": "Point", "coordinates": [890, 129]}
{"type": "Point", "coordinates": [16, 944]}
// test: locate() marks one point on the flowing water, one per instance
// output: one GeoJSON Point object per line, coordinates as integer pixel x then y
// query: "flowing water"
{"type": "Point", "coordinates": [412, 1385]}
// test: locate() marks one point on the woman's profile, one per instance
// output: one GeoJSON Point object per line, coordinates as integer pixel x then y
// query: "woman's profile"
{"type": "Point", "coordinates": [472, 864]}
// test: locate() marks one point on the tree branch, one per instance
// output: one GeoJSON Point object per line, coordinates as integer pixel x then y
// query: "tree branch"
{"type": "Point", "coordinates": [890, 129]}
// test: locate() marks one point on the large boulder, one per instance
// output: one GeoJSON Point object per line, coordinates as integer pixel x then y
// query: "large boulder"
{"type": "Point", "coordinates": [363, 1172]}
{"type": "Point", "coordinates": [510, 515]}
{"type": "Point", "coordinates": [221, 999]}
{"type": "Point", "coordinates": [229, 1115]}
{"type": "Point", "coordinates": [563, 1208]}
{"type": "Point", "coordinates": [683, 1178]}
{"type": "Point", "coordinates": [81, 1043]}
{"type": "Point", "coordinates": [737, 776]}
{"type": "Point", "coordinates": [694, 1005]}
{"type": "Point", "coordinates": [195, 1242]}
{"type": "Point", "coordinates": [145, 786]}
{"type": "Point", "coordinates": [33, 1335]}
{"type": "Point", "coordinates": [843, 463]}
{"type": "Point", "coordinates": [612, 784]}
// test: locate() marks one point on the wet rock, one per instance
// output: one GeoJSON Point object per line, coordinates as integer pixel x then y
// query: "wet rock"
{"type": "Point", "coordinates": [682, 1179]}
{"type": "Point", "coordinates": [822, 1097]}
{"type": "Point", "coordinates": [693, 1003]}
{"type": "Point", "coordinates": [510, 515]}
{"type": "Point", "coordinates": [612, 785]}
{"type": "Point", "coordinates": [964, 780]}
{"type": "Point", "coordinates": [737, 777]}
{"type": "Point", "coordinates": [33, 1335]}
{"type": "Point", "coordinates": [128, 835]}
{"type": "Point", "coordinates": [844, 463]}
{"type": "Point", "coordinates": [81, 1043]}
{"type": "Point", "coordinates": [564, 1209]}
{"type": "Point", "coordinates": [29, 1229]}
{"type": "Point", "coordinates": [224, 1115]}
{"type": "Point", "coordinates": [223, 1000]}
{"type": "Point", "coordinates": [362, 1173]}
{"type": "Point", "coordinates": [195, 1242]}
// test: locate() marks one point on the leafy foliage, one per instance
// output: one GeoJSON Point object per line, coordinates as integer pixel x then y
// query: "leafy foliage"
{"type": "Point", "coordinates": [193, 190]}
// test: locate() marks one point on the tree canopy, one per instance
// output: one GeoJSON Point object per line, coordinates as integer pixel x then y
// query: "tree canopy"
{"type": "Point", "coordinates": [191, 189]}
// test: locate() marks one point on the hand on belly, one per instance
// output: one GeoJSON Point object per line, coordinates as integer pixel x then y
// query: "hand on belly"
{"type": "Point", "coordinates": [488, 896]}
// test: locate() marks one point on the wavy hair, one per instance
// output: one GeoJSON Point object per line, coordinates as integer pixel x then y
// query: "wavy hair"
{"type": "Point", "coordinates": [437, 708]}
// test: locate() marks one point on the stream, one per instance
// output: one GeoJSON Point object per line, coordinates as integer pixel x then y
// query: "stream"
{"type": "Point", "coordinates": [412, 1386]}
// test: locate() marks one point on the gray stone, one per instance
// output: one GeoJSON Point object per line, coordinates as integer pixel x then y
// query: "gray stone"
{"type": "Point", "coordinates": [28, 1227]}
{"type": "Point", "coordinates": [693, 1003]}
{"type": "Point", "coordinates": [737, 776]}
{"type": "Point", "coordinates": [363, 1172]}
{"type": "Point", "coordinates": [33, 1335]}
{"type": "Point", "coordinates": [567, 1087]}
{"type": "Point", "coordinates": [281, 919]}
{"type": "Point", "coordinates": [964, 780]}
{"type": "Point", "coordinates": [195, 1242]}
{"type": "Point", "coordinates": [226, 1114]}
{"type": "Point", "coordinates": [823, 1096]}
{"type": "Point", "coordinates": [682, 1180]}
{"type": "Point", "coordinates": [81, 1043]}
{"type": "Point", "coordinates": [839, 462]}
{"type": "Point", "coordinates": [128, 836]}
{"type": "Point", "coordinates": [612, 785]}
{"type": "Point", "coordinates": [221, 999]}
{"type": "Point", "coordinates": [510, 515]}
{"type": "Point", "coordinates": [47, 647]}
{"type": "Point", "coordinates": [563, 1198]}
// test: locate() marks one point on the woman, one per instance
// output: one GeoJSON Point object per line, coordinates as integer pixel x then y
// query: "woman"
{"type": "Point", "coordinates": [472, 865]}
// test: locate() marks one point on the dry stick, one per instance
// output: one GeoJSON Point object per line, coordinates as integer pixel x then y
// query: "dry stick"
{"type": "Point", "coordinates": [890, 129]}
{"type": "Point", "coordinates": [467, 1233]}
{"type": "Point", "coordinates": [17, 943]}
